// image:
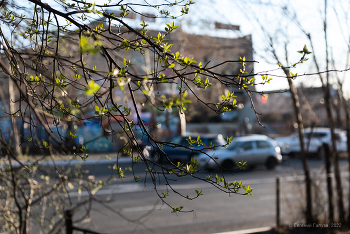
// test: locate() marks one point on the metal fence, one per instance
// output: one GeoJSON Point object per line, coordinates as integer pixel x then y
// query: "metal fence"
{"type": "Point", "coordinates": [291, 201]}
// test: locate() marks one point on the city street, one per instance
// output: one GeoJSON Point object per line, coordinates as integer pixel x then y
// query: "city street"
{"type": "Point", "coordinates": [136, 208]}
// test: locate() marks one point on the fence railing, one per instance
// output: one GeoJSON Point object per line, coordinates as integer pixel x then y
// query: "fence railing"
{"type": "Point", "coordinates": [290, 197]}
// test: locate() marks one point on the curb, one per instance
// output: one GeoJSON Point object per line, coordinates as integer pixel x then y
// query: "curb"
{"type": "Point", "coordinates": [87, 162]}
{"type": "Point", "coordinates": [248, 231]}
{"type": "Point", "coordinates": [73, 162]}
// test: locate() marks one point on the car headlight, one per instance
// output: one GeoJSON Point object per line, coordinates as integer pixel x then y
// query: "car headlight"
{"type": "Point", "coordinates": [278, 149]}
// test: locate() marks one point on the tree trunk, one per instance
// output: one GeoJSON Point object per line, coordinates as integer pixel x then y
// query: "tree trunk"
{"type": "Point", "coordinates": [347, 116]}
{"type": "Point", "coordinates": [348, 143]}
{"type": "Point", "coordinates": [167, 125]}
{"type": "Point", "coordinates": [335, 156]}
{"type": "Point", "coordinates": [326, 90]}
{"type": "Point", "coordinates": [182, 122]}
{"type": "Point", "coordinates": [329, 183]}
{"type": "Point", "coordinates": [16, 136]}
{"type": "Point", "coordinates": [153, 121]}
{"type": "Point", "coordinates": [347, 123]}
{"type": "Point", "coordinates": [308, 212]}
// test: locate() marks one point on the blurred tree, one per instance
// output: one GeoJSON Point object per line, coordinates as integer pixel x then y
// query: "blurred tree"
{"type": "Point", "coordinates": [278, 39]}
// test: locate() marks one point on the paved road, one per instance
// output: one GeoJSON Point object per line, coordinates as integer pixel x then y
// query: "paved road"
{"type": "Point", "coordinates": [135, 207]}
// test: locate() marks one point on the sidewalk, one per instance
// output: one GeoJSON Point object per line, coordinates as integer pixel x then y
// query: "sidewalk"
{"type": "Point", "coordinates": [262, 230]}
{"type": "Point", "coordinates": [286, 230]}
{"type": "Point", "coordinates": [72, 160]}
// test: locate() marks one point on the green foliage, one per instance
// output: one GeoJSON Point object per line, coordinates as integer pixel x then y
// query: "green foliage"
{"type": "Point", "coordinates": [159, 39]}
{"type": "Point", "coordinates": [304, 51]}
{"type": "Point", "coordinates": [218, 179]}
{"type": "Point", "coordinates": [87, 45]}
{"type": "Point", "coordinates": [127, 151]}
{"type": "Point", "coordinates": [45, 144]}
{"type": "Point", "coordinates": [228, 97]}
{"type": "Point", "coordinates": [293, 75]}
{"type": "Point", "coordinates": [126, 64]}
{"type": "Point", "coordinates": [248, 190]}
{"type": "Point", "coordinates": [212, 146]}
{"type": "Point", "coordinates": [241, 165]}
{"type": "Point", "coordinates": [144, 31]}
{"type": "Point", "coordinates": [137, 178]}
{"type": "Point", "coordinates": [83, 149]}
{"type": "Point", "coordinates": [265, 79]}
{"type": "Point", "coordinates": [61, 81]}
{"type": "Point", "coordinates": [75, 103]}
{"type": "Point", "coordinates": [73, 135]}
{"type": "Point", "coordinates": [191, 168]}
{"type": "Point", "coordinates": [92, 88]}
{"type": "Point", "coordinates": [196, 142]}
{"type": "Point", "coordinates": [198, 81]}
{"type": "Point", "coordinates": [124, 11]}
{"type": "Point", "coordinates": [228, 141]}
{"type": "Point", "coordinates": [174, 210]}
{"type": "Point", "coordinates": [225, 105]}
{"type": "Point", "coordinates": [137, 159]}
{"type": "Point", "coordinates": [163, 77]}
{"type": "Point", "coordinates": [199, 193]}
{"type": "Point", "coordinates": [169, 28]}
{"type": "Point", "coordinates": [120, 172]}
{"type": "Point", "coordinates": [100, 111]}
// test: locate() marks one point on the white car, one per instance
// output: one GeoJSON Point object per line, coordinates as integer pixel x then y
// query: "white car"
{"type": "Point", "coordinates": [313, 141]}
{"type": "Point", "coordinates": [254, 149]}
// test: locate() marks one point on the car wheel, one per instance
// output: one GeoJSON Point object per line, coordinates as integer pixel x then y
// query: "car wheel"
{"type": "Point", "coordinates": [228, 165]}
{"type": "Point", "coordinates": [321, 153]}
{"type": "Point", "coordinates": [271, 163]}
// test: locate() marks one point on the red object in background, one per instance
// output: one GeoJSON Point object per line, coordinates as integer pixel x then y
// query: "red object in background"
{"type": "Point", "coordinates": [264, 98]}
{"type": "Point", "coordinates": [207, 147]}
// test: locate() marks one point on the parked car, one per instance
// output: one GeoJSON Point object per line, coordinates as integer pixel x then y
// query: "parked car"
{"type": "Point", "coordinates": [181, 154]}
{"type": "Point", "coordinates": [313, 141]}
{"type": "Point", "coordinates": [254, 149]}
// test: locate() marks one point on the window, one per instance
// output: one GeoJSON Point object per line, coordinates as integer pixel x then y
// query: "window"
{"type": "Point", "coordinates": [180, 141]}
{"type": "Point", "coordinates": [233, 145]}
{"type": "Point", "coordinates": [315, 135]}
{"type": "Point", "coordinates": [262, 144]}
{"type": "Point", "coordinates": [247, 145]}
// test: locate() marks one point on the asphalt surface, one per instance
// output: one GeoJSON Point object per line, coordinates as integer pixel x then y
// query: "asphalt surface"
{"type": "Point", "coordinates": [135, 207]}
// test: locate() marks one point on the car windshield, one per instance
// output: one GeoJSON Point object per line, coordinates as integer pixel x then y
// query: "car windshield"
{"type": "Point", "coordinates": [233, 145]}
{"type": "Point", "coordinates": [180, 140]}
{"type": "Point", "coordinates": [315, 134]}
